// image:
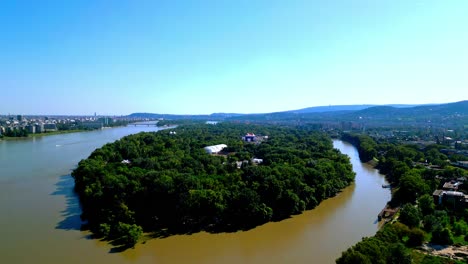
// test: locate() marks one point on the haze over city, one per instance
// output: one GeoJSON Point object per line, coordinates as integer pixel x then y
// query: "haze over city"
{"type": "Point", "coordinates": [201, 57]}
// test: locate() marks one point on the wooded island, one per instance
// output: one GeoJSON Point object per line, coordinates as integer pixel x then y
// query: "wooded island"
{"type": "Point", "coordinates": [166, 183]}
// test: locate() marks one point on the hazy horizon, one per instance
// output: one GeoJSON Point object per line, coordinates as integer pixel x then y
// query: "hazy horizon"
{"type": "Point", "coordinates": [188, 114]}
{"type": "Point", "coordinates": [203, 57]}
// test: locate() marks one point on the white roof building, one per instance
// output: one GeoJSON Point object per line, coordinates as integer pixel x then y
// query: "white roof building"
{"type": "Point", "coordinates": [215, 148]}
{"type": "Point", "coordinates": [257, 161]}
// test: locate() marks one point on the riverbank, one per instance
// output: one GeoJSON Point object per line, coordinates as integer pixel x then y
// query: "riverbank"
{"type": "Point", "coordinates": [59, 132]}
{"type": "Point", "coordinates": [45, 134]}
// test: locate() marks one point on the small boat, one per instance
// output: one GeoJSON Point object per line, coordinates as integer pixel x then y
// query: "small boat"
{"type": "Point", "coordinates": [386, 186]}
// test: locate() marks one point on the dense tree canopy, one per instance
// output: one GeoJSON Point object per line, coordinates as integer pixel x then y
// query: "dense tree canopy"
{"type": "Point", "coordinates": [414, 173]}
{"type": "Point", "coordinates": [169, 184]}
{"type": "Point", "coordinates": [367, 148]}
{"type": "Point", "coordinates": [410, 215]}
{"type": "Point", "coordinates": [18, 132]}
{"type": "Point", "coordinates": [384, 247]}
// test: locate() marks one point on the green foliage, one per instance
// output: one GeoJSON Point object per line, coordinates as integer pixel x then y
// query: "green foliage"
{"type": "Point", "coordinates": [104, 230]}
{"type": "Point", "coordinates": [429, 223]}
{"type": "Point", "coordinates": [398, 254]}
{"type": "Point", "coordinates": [460, 228]}
{"type": "Point", "coordinates": [426, 204]}
{"type": "Point", "coordinates": [442, 236]}
{"type": "Point", "coordinates": [384, 247]}
{"type": "Point", "coordinates": [351, 257]}
{"type": "Point", "coordinates": [442, 217]}
{"type": "Point", "coordinates": [127, 234]}
{"type": "Point", "coordinates": [416, 237]}
{"type": "Point", "coordinates": [410, 215]}
{"type": "Point", "coordinates": [411, 186]}
{"type": "Point", "coordinates": [393, 168]}
{"type": "Point", "coordinates": [400, 229]}
{"type": "Point", "coordinates": [16, 132]}
{"type": "Point", "coordinates": [434, 156]}
{"type": "Point", "coordinates": [367, 148]}
{"type": "Point", "coordinates": [171, 184]}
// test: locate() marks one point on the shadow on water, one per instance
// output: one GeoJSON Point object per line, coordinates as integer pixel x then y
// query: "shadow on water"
{"type": "Point", "coordinates": [71, 214]}
{"type": "Point", "coordinates": [118, 249]}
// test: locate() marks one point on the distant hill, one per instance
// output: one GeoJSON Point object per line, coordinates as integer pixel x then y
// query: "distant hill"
{"type": "Point", "coordinates": [224, 115]}
{"type": "Point", "coordinates": [330, 108]}
{"type": "Point", "coordinates": [441, 114]}
{"type": "Point", "coordinates": [452, 114]}
{"type": "Point", "coordinates": [335, 108]}
{"type": "Point", "coordinates": [457, 108]}
{"type": "Point", "coordinates": [314, 109]}
{"type": "Point", "coordinates": [450, 108]}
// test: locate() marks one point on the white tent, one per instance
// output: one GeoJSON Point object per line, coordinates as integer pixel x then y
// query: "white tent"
{"type": "Point", "coordinates": [215, 149]}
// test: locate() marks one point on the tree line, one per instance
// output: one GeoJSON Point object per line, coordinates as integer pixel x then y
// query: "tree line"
{"type": "Point", "coordinates": [18, 132]}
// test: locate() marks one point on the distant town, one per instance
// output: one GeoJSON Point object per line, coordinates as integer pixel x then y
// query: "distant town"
{"type": "Point", "coordinates": [25, 125]}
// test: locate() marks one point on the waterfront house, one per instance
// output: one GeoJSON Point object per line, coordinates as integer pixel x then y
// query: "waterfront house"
{"type": "Point", "coordinates": [92, 124]}
{"type": "Point", "coordinates": [50, 127]}
{"type": "Point", "coordinates": [450, 198]}
{"type": "Point", "coordinates": [31, 129]}
{"type": "Point", "coordinates": [39, 127]}
{"type": "Point", "coordinates": [451, 185]}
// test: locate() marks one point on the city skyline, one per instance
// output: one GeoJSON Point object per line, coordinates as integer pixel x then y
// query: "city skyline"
{"type": "Point", "coordinates": [200, 57]}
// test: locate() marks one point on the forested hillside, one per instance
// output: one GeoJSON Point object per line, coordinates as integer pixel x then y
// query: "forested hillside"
{"type": "Point", "coordinates": [454, 115]}
{"type": "Point", "coordinates": [165, 183]}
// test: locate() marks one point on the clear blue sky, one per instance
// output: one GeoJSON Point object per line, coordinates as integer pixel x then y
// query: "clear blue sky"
{"type": "Point", "coordinates": [244, 56]}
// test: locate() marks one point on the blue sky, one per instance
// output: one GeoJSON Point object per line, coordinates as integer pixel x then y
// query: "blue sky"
{"type": "Point", "coordinates": [245, 56]}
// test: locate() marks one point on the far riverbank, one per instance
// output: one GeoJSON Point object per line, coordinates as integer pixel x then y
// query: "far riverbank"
{"type": "Point", "coordinates": [59, 132]}
{"type": "Point", "coordinates": [46, 134]}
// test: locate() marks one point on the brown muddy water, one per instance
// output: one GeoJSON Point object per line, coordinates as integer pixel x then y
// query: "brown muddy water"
{"type": "Point", "coordinates": [39, 214]}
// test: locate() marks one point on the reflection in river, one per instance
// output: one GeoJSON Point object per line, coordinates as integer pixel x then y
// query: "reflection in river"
{"type": "Point", "coordinates": [40, 214]}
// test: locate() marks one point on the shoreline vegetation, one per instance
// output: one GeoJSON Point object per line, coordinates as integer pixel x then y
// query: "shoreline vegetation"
{"type": "Point", "coordinates": [45, 134]}
{"type": "Point", "coordinates": [21, 132]}
{"type": "Point", "coordinates": [165, 183]}
{"type": "Point", "coordinates": [422, 231]}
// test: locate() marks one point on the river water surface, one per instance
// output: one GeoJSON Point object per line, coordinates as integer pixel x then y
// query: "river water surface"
{"type": "Point", "coordinates": [39, 214]}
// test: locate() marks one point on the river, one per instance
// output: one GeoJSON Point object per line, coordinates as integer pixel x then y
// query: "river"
{"type": "Point", "coordinates": [39, 214]}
